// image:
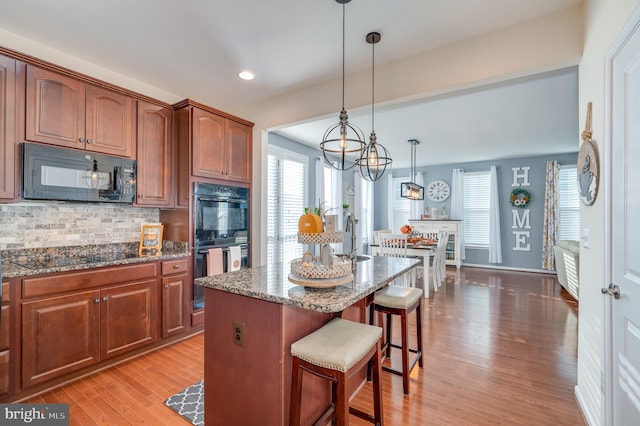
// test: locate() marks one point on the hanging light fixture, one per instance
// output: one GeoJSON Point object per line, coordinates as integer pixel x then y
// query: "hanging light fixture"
{"type": "Point", "coordinates": [342, 140]}
{"type": "Point", "coordinates": [412, 190]}
{"type": "Point", "coordinates": [374, 160]}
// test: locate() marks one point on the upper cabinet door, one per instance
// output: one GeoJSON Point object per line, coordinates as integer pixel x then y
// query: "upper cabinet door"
{"type": "Point", "coordinates": [68, 112]}
{"type": "Point", "coordinates": [55, 108]}
{"type": "Point", "coordinates": [208, 145]}
{"type": "Point", "coordinates": [110, 122]}
{"type": "Point", "coordinates": [238, 148]}
{"type": "Point", "coordinates": [154, 155]}
{"type": "Point", "coordinates": [8, 128]}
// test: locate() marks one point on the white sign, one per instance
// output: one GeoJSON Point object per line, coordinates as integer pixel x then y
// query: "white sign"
{"type": "Point", "coordinates": [521, 221]}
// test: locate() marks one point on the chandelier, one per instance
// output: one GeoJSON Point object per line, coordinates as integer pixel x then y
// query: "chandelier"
{"type": "Point", "coordinates": [374, 159]}
{"type": "Point", "coordinates": [412, 190]}
{"type": "Point", "coordinates": [342, 140]}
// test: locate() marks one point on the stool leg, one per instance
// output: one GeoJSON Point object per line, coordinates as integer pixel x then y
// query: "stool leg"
{"type": "Point", "coordinates": [296, 392]}
{"type": "Point", "coordinates": [388, 342]}
{"type": "Point", "coordinates": [377, 387]}
{"type": "Point", "coordinates": [419, 330]}
{"type": "Point", "coordinates": [405, 352]}
{"type": "Point", "coordinates": [342, 401]}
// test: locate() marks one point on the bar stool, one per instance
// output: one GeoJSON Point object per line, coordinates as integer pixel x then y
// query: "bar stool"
{"type": "Point", "coordinates": [335, 352]}
{"type": "Point", "coordinates": [396, 300]}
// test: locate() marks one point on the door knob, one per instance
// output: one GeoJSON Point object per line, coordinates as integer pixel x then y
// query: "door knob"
{"type": "Point", "coordinates": [612, 290]}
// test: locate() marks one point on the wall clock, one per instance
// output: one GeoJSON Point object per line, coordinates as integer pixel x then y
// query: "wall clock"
{"type": "Point", "coordinates": [438, 190]}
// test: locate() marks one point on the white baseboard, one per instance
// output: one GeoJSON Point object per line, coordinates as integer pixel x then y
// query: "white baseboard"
{"type": "Point", "coordinates": [587, 414]}
{"type": "Point", "coordinates": [510, 268]}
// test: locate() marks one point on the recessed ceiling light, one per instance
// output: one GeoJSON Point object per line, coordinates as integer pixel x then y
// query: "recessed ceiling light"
{"type": "Point", "coordinates": [246, 75]}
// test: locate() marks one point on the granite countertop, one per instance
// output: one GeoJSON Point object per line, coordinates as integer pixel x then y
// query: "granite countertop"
{"type": "Point", "coordinates": [271, 283]}
{"type": "Point", "coordinates": [37, 261]}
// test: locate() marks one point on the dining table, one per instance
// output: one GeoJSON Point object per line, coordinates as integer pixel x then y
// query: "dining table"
{"type": "Point", "coordinates": [425, 250]}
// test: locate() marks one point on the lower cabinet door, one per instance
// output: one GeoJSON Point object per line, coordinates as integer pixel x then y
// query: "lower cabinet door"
{"type": "Point", "coordinates": [59, 335]}
{"type": "Point", "coordinates": [174, 314]}
{"type": "Point", "coordinates": [128, 317]}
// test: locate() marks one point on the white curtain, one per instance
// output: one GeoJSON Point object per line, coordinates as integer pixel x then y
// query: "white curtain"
{"type": "Point", "coordinates": [390, 201]}
{"type": "Point", "coordinates": [457, 203]}
{"type": "Point", "coordinates": [416, 207]}
{"type": "Point", "coordinates": [363, 210]}
{"type": "Point", "coordinates": [551, 231]}
{"type": "Point", "coordinates": [495, 241]}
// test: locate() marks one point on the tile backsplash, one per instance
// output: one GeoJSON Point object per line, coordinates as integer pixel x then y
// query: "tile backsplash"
{"type": "Point", "coordinates": [54, 224]}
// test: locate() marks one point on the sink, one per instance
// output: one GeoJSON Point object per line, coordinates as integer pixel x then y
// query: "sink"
{"type": "Point", "coordinates": [358, 258]}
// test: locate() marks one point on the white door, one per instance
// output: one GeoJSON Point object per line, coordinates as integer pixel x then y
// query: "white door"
{"type": "Point", "coordinates": [625, 227]}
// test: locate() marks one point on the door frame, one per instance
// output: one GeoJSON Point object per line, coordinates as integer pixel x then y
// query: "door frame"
{"type": "Point", "coordinates": [630, 27]}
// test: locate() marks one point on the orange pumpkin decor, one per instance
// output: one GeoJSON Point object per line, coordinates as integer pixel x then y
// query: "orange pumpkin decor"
{"type": "Point", "coordinates": [406, 229]}
{"type": "Point", "coordinates": [310, 223]}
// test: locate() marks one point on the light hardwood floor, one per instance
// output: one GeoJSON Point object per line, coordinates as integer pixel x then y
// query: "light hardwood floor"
{"type": "Point", "coordinates": [500, 348]}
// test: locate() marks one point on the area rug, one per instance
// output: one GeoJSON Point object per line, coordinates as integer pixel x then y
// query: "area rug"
{"type": "Point", "coordinates": [189, 403]}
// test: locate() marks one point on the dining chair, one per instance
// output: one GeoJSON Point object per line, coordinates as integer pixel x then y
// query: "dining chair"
{"type": "Point", "coordinates": [395, 245]}
{"type": "Point", "coordinates": [376, 234]}
{"type": "Point", "coordinates": [439, 266]}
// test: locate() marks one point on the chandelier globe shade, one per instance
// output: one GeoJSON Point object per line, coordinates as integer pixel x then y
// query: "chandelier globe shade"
{"type": "Point", "coordinates": [375, 159]}
{"type": "Point", "coordinates": [343, 143]}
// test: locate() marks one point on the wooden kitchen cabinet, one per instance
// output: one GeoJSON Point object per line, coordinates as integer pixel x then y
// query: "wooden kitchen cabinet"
{"type": "Point", "coordinates": [59, 335]}
{"type": "Point", "coordinates": [9, 126]}
{"type": "Point", "coordinates": [64, 111]}
{"type": "Point", "coordinates": [154, 155]}
{"type": "Point", "coordinates": [221, 148]}
{"type": "Point", "coordinates": [175, 281]}
{"type": "Point", "coordinates": [112, 311]}
{"type": "Point", "coordinates": [128, 317]}
{"type": "Point", "coordinates": [5, 377]}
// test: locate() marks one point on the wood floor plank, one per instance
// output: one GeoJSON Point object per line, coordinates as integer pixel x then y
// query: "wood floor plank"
{"type": "Point", "coordinates": [500, 348]}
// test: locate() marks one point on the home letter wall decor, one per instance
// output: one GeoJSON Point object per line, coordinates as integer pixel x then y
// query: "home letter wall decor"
{"type": "Point", "coordinates": [520, 217]}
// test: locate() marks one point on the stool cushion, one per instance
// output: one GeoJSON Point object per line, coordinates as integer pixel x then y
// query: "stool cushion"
{"type": "Point", "coordinates": [338, 345]}
{"type": "Point", "coordinates": [393, 296]}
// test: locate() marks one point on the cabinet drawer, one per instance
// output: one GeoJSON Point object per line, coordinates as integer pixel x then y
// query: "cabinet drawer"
{"type": "Point", "coordinates": [90, 278]}
{"type": "Point", "coordinates": [4, 373]}
{"type": "Point", "coordinates": [174, 266]}
{"type": "Point", "coordinates": [5, 292]}
{"type": "Point", "coordinates": [451, 227]}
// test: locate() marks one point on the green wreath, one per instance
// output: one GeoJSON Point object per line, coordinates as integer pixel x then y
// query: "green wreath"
{"type": "Point", "coordinates": [520, 198]}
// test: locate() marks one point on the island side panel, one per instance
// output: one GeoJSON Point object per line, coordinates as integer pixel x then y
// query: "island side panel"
{"type": "Point", "coordinates": [251, 384]}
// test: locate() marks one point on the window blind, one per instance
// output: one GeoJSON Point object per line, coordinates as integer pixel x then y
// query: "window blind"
{"type": "Point", "coordinates": [477, 191]}
{"type": "Point", "coordinates": [569, 200]}
{"type": "Point", "coordinates": [401, 205]}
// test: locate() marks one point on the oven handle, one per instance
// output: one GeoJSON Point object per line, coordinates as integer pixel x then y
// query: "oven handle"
{"type": "Point", "coordinates": [223, 200]}
{"type": "Point", "coordinates": [205, 251]}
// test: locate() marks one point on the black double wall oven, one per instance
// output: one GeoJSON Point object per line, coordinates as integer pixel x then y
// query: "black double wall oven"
{"type": "Point", "coordinates": [221, 220]}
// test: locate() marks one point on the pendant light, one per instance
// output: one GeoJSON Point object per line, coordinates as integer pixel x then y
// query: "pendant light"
{"type": "Point", "coordinates": [374, 160]}
{"type": "Point", "coordinates": [342, 140]}
{"type": "Point", "coordinates": [95, 179]}
{"type": "Point", "coordinates": [412, 190]}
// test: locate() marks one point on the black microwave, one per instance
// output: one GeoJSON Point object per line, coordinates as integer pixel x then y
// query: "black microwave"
{"type": "Point", "coordinates": [52, 173]}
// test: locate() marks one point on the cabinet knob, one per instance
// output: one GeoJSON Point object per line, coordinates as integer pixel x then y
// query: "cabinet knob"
{"type": "Point", "coordinates": [176, 266]}
{"type": "Point", "coordinates": [166, 286]}
{"type": "Point", "coordinates": [139, 195]}
{"type": "Point", "coordinates": [89, 141]}
{"type": "Point", "coordinates": [81, 140]}
{"type": "Point", "coordinates": [96, 300]}
{"type": "Point", "coordinates": [104, 298]}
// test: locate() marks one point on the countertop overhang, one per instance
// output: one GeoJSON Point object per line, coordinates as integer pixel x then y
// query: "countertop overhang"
{"type": "Point", "coordinates": [271, 283]}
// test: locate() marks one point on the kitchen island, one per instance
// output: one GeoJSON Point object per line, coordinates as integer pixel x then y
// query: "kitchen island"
{"type": "Point", "coordinates": [251, 318]}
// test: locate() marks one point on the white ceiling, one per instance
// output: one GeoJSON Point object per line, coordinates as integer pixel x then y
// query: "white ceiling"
{"type": "Point", "coordinates": [194, 49]}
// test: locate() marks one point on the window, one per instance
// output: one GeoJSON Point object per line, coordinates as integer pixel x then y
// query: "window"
{"type": "Point", "coordinates": [400, 205]}
{"type": "Point", "coordinates": [287, 185]}
{"type": "Point", "coordinates": [569, 201]}
{"type": "Point", "coordinates": [477, 193]}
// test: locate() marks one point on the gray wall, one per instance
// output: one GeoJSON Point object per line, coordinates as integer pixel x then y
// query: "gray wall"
{"type": "Point", "coordinates": [528, 260]}
{"type": "Point", "coordinates": [510, 259]}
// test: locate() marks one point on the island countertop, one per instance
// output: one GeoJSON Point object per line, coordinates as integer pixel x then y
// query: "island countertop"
{"type": "Point", "coordinates": [271, 283]}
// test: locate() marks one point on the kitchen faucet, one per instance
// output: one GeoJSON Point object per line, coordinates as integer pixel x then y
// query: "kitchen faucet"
{"type": "Point", "coordinates": [351, 227]}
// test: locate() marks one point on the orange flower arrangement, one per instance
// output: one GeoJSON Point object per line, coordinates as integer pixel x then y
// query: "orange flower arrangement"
{"type": "Point", "coordinates": [406, 229]}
